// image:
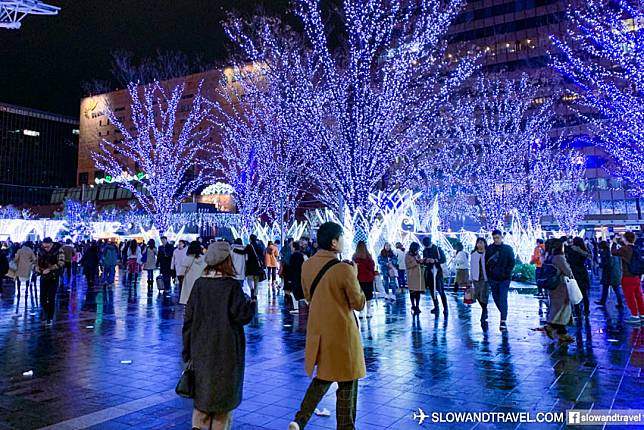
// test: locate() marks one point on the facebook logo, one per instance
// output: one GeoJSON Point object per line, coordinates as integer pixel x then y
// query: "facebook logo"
{"type": "Point", "coordinates": [574, 417]}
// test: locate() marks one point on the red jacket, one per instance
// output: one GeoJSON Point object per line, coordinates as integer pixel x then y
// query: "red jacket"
{"type": "Point", "coordinates": [366, 269]}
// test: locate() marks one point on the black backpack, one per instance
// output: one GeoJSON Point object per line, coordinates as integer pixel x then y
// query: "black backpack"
{"type": "Point", "coordinates": [549, 278]}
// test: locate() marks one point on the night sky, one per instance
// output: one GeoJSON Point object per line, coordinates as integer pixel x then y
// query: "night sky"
{"type": "Point", "coordinates": [43, 64]}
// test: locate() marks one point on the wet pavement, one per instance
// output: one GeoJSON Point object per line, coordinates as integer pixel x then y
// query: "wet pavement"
{"type": "Point", "coordinates": [112, 358]}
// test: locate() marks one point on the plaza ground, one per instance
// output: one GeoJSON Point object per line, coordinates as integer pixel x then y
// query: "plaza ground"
{"type": "Point", "coordinates": [112, 359]}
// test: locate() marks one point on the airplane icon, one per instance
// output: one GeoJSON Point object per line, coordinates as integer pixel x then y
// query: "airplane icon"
{"type": "Point", "coordinates": [420, 416]}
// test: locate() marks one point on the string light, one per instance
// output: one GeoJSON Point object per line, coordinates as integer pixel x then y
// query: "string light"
{"type": "Point", "coordinates": [604, 57]}
{"type": "Point", "coordinates": [165, 151]}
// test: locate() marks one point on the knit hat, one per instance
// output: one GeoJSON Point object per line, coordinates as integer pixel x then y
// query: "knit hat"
{"type": "Point", "coordinates": [217, 252]}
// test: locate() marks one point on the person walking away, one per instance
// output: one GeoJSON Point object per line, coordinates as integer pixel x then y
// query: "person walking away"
{"type": "Point", "coordinates": [333, 343]}
{"type": "Point", "coordinates": [89, 262]}
{"type": "Point", "coordinates": [631, 258]}
{"type": "Point", "coordinates": [193, 267]}
{"type": "Point", "coordinates": [609, 276]}
{"type": "Point", "coordinates": [25, 258]}
{"type": "Point", "coordinates": [400, 258]}
{"type": "Point", "coordinates": [415, 278]}
{"type": "Point", "coordinates": [387, 264]}
{"type": "Point", "coordinates": [499, 264]}
{"type": "Point", "coordinates": [578, 258]}
{"type": "Point", "coordinates": [164, 261]}
{"type": "Point", "coordinates": [110, 260]}
{"type": "Point", "coordinates": [239, 260]}
{"type": "Point", "coordinates": [462, 266]}
{"type": "Point", "coordinates": [69, 251]}
{"type": "Point", "coordinates": [149, 260]}
{"type": "Point", "coordinates": [560, 310]}
{"type": "Point", "coordinates": [537, 261]}
{"type": "Point", "coordinates": [270, 261]}
{"type": "Point", "coordinates": [178, 256]}
{"type": "Point", "coordinates": [285, 278]}
{"type": "Point", "coordinates": [433, 259]}
{"type": "Point", "coordinates": [254, 266]}
{"type": "Point", "coordinates": [295, 274]}
{"type": "Point", "coordinates": [51, 261]}
{"type": "Point", "coordinates": [133, 263]}
{"type": "Point", "coordinates": [478, 277]}
{"type": "Point", "coordinates": [366, 274]}
{"type": "Point", "coordinates": [214, 343]}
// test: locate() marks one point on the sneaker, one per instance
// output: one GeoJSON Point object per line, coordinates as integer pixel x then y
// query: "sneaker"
{"type": "Point", "coordinates": [293, 426]}
{"type": "Point", "coordinates": [503, 326]}
{"type": "Point", "coordinates": [634, 320]}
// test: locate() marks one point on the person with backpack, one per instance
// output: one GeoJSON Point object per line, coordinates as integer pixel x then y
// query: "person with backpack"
{"type": "Point", "coordinates": [110, 260]}
{"type": "Point", "coordinates": [333, 341]}
{"type": "Point", "coordinates": [632, 260]}
{"type": "Point", "coordinates": [554, 270]}
{"type": "Point", "coordinates": [51, 260]}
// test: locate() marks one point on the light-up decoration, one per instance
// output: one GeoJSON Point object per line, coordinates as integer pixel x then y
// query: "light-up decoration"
{"type": "Point", "coordinates": [121, 179]}
{"type": "Point", "coordinates": [217, 188]}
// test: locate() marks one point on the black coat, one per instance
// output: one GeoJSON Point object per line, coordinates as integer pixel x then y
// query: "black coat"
{"type": "Point", "coordinates": [213, 338]}
{"type": "Point", "coordinates": [254, 266]}
{"type": "Point", "coordinates": [499, 262]}
{"type": "Point", "coordinates": [164, 258]}
{"type": "Point", "coordinates": [577, 258]}
{"type": "Point", "coordinates": [295, 274]}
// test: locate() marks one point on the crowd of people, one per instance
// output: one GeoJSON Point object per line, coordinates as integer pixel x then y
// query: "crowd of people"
{"type": "Point", "coordinates": [219, 284]}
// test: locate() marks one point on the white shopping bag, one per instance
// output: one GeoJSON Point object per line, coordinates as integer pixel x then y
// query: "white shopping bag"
{"type": "Point", "coordinates": [574, 293]}
{"type": "Point", "coordinates": [380, 288]}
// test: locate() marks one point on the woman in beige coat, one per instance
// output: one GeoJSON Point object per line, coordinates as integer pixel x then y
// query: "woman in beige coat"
{"type": "Point", "coordinates": [193, 265]}
{"type": "Point", "coordinates": [333, 342]}
{"type": "Point", "coordinates": [25, 259]}
{"type": "Point", "coordinates": [415, 278]}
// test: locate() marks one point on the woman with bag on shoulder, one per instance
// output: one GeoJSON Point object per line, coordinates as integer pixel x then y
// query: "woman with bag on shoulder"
{"type": "Point", "coordinates": [214, 342]}
{"type": "Point", "coordinates": [193, 266]}
{"type": "Point", "coordinates": [149, 259]}
{"type": "Point", "coordinates": [560, 310]}
{"type": "Point", "coordinates": [462, 266]}
{"type": "Point", "coordinates": [578, 257]}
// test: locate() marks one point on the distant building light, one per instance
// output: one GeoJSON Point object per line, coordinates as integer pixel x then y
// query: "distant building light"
{"type": "Point", "coordinates": [30, 133]}
{"type": "Point", "coordinates": [76, 131]}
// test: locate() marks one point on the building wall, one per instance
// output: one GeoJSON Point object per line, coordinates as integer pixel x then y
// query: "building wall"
{"type": "Point", "coordinates": [38, 152]}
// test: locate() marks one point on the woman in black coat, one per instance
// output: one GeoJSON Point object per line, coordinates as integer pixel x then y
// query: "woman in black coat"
{"type": "Point", "coordinates": [90, 263]}
{"type": "Point", "coordinates": [577, 255]}
{"type": "Point", "coordinates": [214, 339]}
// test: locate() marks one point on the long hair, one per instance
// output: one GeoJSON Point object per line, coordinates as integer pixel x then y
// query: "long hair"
{"type": "Point", "coordinates": [226, 268]}
{"type": "Point", "coordinates": [579, 243]}
{"type": "Point", "coordinates": [556, 246]}
{"type": "Point", "coordinates": [362, 251]}
{"type": "Point", "coordinates": [482, 240]}
{"type": "Point", "coordinates": [194, 248]}
{"type": "Point", "coordinates": [384, 251]}
{"type": "Point", "coordinates": [414, 248]}
{"type": "Point", "coordinates": [133, 246]}
{"type": "Point", "coordinates": [152, 244]}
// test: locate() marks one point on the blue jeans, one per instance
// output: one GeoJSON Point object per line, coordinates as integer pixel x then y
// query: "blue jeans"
{"type": "Point", "coordinates": [108, 274]}
{"type": "Point", "coordinates": [500, 291]}
{"type": "Point", "coordinates": [389, 283]}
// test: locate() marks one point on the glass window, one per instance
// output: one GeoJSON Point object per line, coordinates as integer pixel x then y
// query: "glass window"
{"type": "Point", "coordinates": [607, 207]}
{"type": "Point", "coordinates": [83, 178]}
{"type": "Point", "coordinates": [620, 206]}
{"type": "Point", "coordinates": [631, 206]}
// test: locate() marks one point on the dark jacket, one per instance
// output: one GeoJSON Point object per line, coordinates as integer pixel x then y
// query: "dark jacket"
{"type": "Point", "coordinates": [4, 264]}
{"type": "Point", "coordinates": [435, 253]}
{"type": "Point", "coordinates": [577, 259]}
{"type": "Point", "coordinates": [295, 274]}
{"type": "Point", "coordinates": [90, 260]}
{"type": "Point", "coordinates": [606, 265]}
{"type": "Point", "coordinates": [254, 265]}
{"type": "Point", "coordinates": [54, 260]}
{"type": "Point", "coordinates": [499, 262]}
{"type": "Point", "coordinates": [625, 253]}
{"type": "Point", "coordinates": [164, 258]}
{"type": "Point", "coordinates": [213, 338]}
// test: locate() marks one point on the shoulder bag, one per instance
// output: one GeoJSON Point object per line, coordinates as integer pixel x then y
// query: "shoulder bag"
{"type": "Point", "coordinates": [321, 273]}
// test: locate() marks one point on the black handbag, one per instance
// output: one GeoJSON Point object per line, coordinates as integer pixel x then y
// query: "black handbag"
{"type": "Point", "coordinates": [186, 385]}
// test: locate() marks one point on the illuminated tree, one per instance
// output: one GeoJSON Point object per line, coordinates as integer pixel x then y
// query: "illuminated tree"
{"type": "Point", "coordinates": [604, 57]}
{"type": "Point", "coordinates": [360, 105]}
{"type": "Point", "coordinates": [161, 151]}
{"type": "Point", "coordinates": [502, 128]}
{"type": "Point", "coordinates": [265, 152]}
{"type": "Point", "coordinates": [569, 200]}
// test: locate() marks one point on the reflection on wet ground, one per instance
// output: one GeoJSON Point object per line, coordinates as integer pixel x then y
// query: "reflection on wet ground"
{"type": "Point", "coordinates": [113, 357]}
